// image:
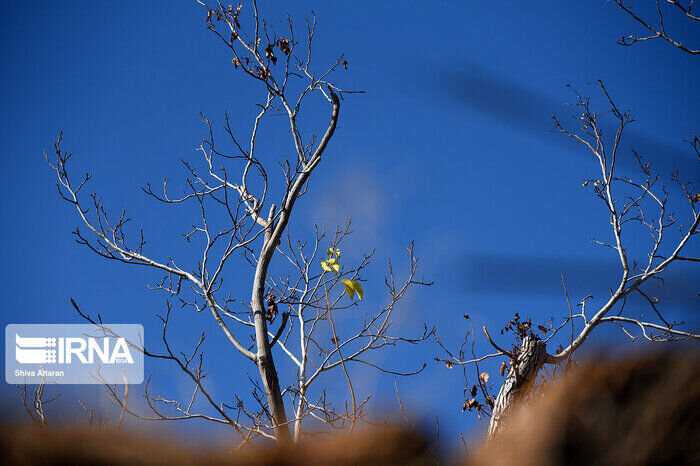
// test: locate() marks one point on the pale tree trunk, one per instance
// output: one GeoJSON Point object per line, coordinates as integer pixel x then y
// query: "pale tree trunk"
{"type": "Point", "coordinates": [264, 360]}
{"type": "Point", "coordinates": [268, 374]}
{"type": "Point", "coordinates": [299, 411]}
{"type": "Point", "coordinates": [530, 359]}
{"type": "Point", "coordinates": [273, 233]}
{"type": "Point", "coordinates": [302, 382]}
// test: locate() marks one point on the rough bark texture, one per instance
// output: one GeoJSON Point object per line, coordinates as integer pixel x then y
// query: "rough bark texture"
{"type": "Point", "coordinates": [268, 374]}
{"type": "Point", "coordinates": [530, 359]}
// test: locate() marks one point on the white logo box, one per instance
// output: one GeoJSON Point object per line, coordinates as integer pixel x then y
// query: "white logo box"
{"type": "Point", "coordinates": [73, 353]}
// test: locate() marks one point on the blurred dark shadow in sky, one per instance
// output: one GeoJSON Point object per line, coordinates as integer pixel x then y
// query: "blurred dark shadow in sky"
{"type": "Point", "coordinates": [526, 109]}
{"type": "Point", "coordinates": [541, 276]}
{"type": "Point", "coordinates": [529, 110]}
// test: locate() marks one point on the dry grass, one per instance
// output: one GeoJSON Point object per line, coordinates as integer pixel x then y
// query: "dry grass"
{"type": "Point", "coordinates": [30, 445]}
{"type": "Point", "coordinates": [634, 411]}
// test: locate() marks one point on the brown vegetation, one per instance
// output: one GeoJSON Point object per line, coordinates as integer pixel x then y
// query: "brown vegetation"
{"type": "Point", "coordinates": [634, 411]}
{"type": "Point", "coordinates": [35, 445]}
{"type": "Point", "coordinates": [641, 410]}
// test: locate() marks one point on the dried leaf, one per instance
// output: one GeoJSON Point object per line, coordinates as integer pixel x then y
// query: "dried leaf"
{"type": "Point", "coordinates": [504, 366]}
{"type": "Point", "coordinates": [473, 392]}
{"type": "Point", "coordinates": [449, 364]}
{"type": "Point", "coordinates": [270, 53]}
{"type": "Point", "coordinates": [543, 329]}
{"type": "Point", "coordinates": [470, 404]}
{"type": "Point", "coordinates": [271, 306]}
{"type": "Point", "coordinates": [284, 46]}
{"type": "Point", "coordinates": [484, 377]}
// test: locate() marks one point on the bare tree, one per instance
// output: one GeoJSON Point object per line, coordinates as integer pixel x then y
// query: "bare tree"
{"type": "Point", "coordinates": [634, 205]}
{"type": "Point", "coordinates": [684, 9]}
{"type": "Point", "coordinates": [310, 286]}
{"type": "Point", "coordinates": [34, 401]}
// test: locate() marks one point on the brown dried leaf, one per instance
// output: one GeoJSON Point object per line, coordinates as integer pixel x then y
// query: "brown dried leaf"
{"type": "Point", "coordinates": [284, 46]}
{"type": "Point", "coordinates": [504, 366]}
{"type": "Point", "coordinates": [484, 377]}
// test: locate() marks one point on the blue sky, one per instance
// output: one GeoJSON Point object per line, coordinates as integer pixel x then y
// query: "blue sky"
{"type": "Point", "coordinates": [451, 146]}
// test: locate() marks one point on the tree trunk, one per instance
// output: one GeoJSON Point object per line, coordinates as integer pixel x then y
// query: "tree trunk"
{"type": "Point", "coordinates": [268, 374]}
{"type": "Point", "coordinates": [273, 232]}
{"type": "Point", "coordinates": [529, 361]}
{"type": "Point", "coordinates": [264, 360]}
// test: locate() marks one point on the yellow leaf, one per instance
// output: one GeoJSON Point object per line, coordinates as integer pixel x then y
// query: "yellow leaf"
{"type": "Point", "coordinates": [358, 289]}
{"type": "Point", "coordinates": [352, 287]}
{"type": "Point", "coordinates": [326, 267]}
{"type": "Point", "coordinates": [333, 264]}
{"type": "Point", "coordinates": [349, 289]}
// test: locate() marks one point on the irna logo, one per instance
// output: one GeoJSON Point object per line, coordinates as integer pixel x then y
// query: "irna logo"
{"type": "Point", "coordinates": [42, 350]}
{"type": "Point", "coordinates": [74, 353]}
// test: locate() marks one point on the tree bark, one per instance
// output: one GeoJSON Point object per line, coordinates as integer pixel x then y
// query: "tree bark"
{"type": "Point", "coordinates": [273, 233]}
{"type": "Point", "coordinates": [264, 360]}
{"type": "Point", "coordinates": [531, 357]}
